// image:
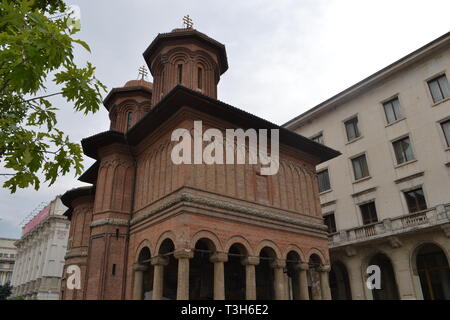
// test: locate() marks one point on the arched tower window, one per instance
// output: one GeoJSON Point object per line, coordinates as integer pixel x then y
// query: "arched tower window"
{"type": "Point", "coordinates": [180, 73]}
{"type": "Point", "coordinates": [129, 119]}
{"type": "Point", "coordinates": [200, 78]}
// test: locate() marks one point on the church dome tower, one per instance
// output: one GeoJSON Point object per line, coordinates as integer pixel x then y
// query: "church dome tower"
{"type": "Point", "coordinates": [128, 104]}
{"type": "Point", "coordinates": [185, 57]}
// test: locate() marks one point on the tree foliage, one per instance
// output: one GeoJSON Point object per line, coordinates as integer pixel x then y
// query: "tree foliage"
{"type": "Point", "coordinates": [37, 46]}
{"type": "Point", "coordinates": [5, 291]}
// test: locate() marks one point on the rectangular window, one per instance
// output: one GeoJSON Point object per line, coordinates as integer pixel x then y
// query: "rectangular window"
{"type": "Point", "coordinates": [415, 200]}
{"type": "Point", "coordinates": [330, 221]}
{"type": "Point", "coordinates": [200, 78]}
{"type": "Point", "coordinates": [369, 213]}
{"type": "Point", "coordinates": [446, 129]}
{"type": "Point", "coordinates": [439, 88]}
{"type": "Point", "coordinates": [360, 168]}
{"type": "Point", "coordinates": [351, 127]}
{"type": "Point", "coordinates": [180, 73]}
{"type": "Point", "coordinates": [318, 139]}
{"type": "Point", "coordinates": [324, 181]}
{"type": "Point", "coordinates": [392, 110]}
{"type": "Point", "coordinates": [403, 150]}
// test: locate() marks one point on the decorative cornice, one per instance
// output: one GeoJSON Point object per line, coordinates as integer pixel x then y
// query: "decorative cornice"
{"type": "Point", "coordinates": [219, 204]}
{"type": "Point", "coordinates": [360, 193]}
{"type": "Point", "coordinates": [413, 176]}
{"type": "Point", "coordinates": [110, 221]}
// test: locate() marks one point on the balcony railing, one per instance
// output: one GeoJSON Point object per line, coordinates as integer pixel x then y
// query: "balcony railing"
{"type": "Point", "coordinates": [436, 216]}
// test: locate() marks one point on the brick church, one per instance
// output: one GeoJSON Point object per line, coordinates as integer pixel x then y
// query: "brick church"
{"type": "Point", "coordinates": [150, 229]}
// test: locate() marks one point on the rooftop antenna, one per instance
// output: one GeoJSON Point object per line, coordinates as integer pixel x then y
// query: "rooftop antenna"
{"type": "Point", "coordinates": [143, 73]}
{"type": "Point", "coordinates": [187, 21]}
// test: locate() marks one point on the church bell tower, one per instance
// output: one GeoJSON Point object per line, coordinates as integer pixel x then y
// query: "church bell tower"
{"type": "Point", "coordinates": [185, 57]}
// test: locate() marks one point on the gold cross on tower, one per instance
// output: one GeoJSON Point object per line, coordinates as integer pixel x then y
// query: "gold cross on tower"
{"type": "Point", "coordinates": [143, 73]}
{"type": "Point", "coordinates": [187, 21]}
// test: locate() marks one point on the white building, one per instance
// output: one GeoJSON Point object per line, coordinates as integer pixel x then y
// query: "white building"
{"type": "Point", "coordinates": [386, 199]}
{"type": "Point", "coordinates": [7, 258]}
{"type": "Point", "coordinates": [40, 254]}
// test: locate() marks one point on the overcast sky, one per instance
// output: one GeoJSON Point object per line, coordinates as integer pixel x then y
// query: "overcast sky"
{"type": "Point", "coordinates": [285, 57]}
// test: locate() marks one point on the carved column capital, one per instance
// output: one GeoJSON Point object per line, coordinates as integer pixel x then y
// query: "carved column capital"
{"type": "Point", "coordinates": [302, 267]}
{"type": "Point", "coordinates": [159, 261]}
{"type": "Point", "coordinates": [218, 257]}
{"type": "Point", "coordinates": [252, 261]}
{"type": "Point", "coordinates": [140, 267]}
{"type": "Point", "coordinates": [278, 264]}
{"type": "Point", "coordinates": [183, 254]}
{"type": "Point", "coordinates": [324, 268]}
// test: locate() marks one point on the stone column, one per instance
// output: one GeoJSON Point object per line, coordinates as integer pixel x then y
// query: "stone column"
{"type": "Point", "coordinates": [218, 258]}
{"type": "Point", "coordinates": [278, 270]}
{"type": "Point", "coordinates": [183, 257]}
{"type": "Point", "coordinates": [250, 277]}
{"type": "Point", "coordinates": [403, 274]}
{"type": "Point", "coordinates": [357, 282]}
{"type": "Point", "coordinates": [302, 270]}
{"type": "Point", "coordinates": [138, 289]}
{"type": "Point", "coordinates": [324, 282]}
{"type": "Point", "coordinates": [158, 276]}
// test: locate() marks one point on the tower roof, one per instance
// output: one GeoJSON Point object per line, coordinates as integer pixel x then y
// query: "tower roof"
{"type": "Point", "coordinates": [182, 34]}
{"type": "Point", "coordinates": [133, 87]}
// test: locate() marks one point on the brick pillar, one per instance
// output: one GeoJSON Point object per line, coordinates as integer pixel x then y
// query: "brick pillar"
{"type": "Point", "coordinates": [250, 277]}
{"type": "Point", "coordinates": [324, 282]}
{"type": "Point", "coordinates": [158, 276]}
{"type": "Point", "coordinates": [218, 259]}
{"type": "Point", "coordinates": [278, 270]}
{"type": "Point", "coordinates": [138, 289]}
{"type": "Point", "coordinates": [183, 257]}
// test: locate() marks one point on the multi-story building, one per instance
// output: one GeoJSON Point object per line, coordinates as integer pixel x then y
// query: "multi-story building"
{"type": "Point", "coordinates": [7, 258]}
{"type": "Point", "coordinates": [386, 199]}
{"type": "Point", "coordinates": [40, 254]}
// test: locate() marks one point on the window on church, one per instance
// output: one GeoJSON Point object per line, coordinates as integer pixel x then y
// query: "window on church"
{"type": "Point", "coordinates": [129, 120]}
{"type": "Point", "coordinates": [200, 78]}
{"type": "Point", "coordinates": [180, 73]}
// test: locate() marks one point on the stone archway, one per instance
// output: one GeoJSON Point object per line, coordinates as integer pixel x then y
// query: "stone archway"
{"type": "Point", "coordinates": [143, 276]}
{"type": "Point", "coordinates": [265, 289]}
{"type": "Point", "coordinates": [339, 282]}
{"type": "Point", "coordinates": [201, 271]}
{"type": "Point", "coordinates": [235, 285]}
{"type": "Point", "coordinates": [433, 271]}
{"type": "Point", "coordinates": [167, 267]}
{"type": "Point", "coordinates": [389, 289]}
{"type": "Point", "coordinates": [314, 277]}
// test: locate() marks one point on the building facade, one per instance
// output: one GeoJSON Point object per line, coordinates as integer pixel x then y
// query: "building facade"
{"type": "Point", "coordinates": [40, 254]}
{"type": "Point", "coordinates": [386, 199]}
{"type": "Point", "coordinates": [7, 258]}
{"type": "Point", "coordinates": [149, 228]}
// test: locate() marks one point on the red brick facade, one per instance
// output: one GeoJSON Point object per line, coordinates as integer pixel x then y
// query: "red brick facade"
{"type": "Point", "coordinates": [140, 198]}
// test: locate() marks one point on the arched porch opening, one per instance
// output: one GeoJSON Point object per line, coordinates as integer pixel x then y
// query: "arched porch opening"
{"type": "Point", "coordinates": [292, 263]}
{"type": "Point", "coordinates": [389, 289]}
{"type": "Point", "coordinates": [265, 289]}
{"type": "Point", "coordinates": [314, 277]}
{"type": "Point", "coordinates": [201, 271]}
{"type": "Point", "coordinates": [434, 272]}
{"type": "Point", "coordinates": [170, 274]}
{"type": "Point", "coordinates": [143, 276]}
{"type": "Point", "coordinates": [339, 282]}
{"type": "Point", "coordinates": [235, 273]}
